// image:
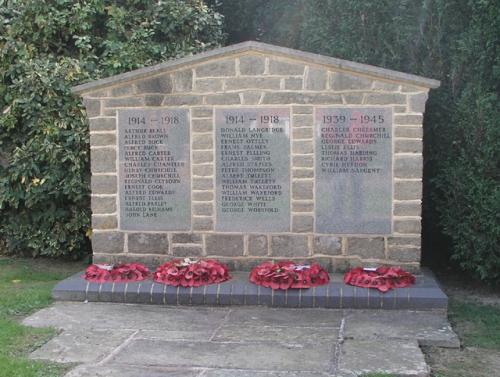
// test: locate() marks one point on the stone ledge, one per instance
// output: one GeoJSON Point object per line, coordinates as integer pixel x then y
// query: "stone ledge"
{"type": "Point", "coordinates": [424, 295]}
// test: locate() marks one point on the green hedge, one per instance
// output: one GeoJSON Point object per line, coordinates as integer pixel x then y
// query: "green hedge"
{"type": "Point", "coordinates": [457, 42]}
{"type": "Point", "coordinates": [45, 48]}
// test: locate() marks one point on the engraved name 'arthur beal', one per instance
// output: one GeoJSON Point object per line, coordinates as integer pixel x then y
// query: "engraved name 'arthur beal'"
{"type": "Point", "coordinates": [154, 173]}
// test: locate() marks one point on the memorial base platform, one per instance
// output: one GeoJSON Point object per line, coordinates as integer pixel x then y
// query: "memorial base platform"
{"type": "Point", "coordinates": [426, 294]}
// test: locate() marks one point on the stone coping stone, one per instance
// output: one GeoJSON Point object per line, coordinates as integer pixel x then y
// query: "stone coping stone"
{"type": "Point", "coordinates": [426, 294]}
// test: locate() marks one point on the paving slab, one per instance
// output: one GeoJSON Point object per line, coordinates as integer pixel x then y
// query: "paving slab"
{"type": "Point", "coordinates": [200, 335]}
{"type": "Point", "coordinates": [132, 340]}
{"type": "Point", "coordinates": [68, 315]}
{"type": "Point", "coordinates": [253, 373]}
{"type": "Point", "coordinates": [282, 334]}
{"type": "Point", "coordinates": [286, 317]}
{"type": "Point", "coordinates": [429, 328]}
{"type": "Point", "coordinates": [81, 346]}
{"type": "Point", "coordinates": [396, 357]}
{"type": "Point", "coordinates": [130, 371]}
{"type": "Point", "coordinates": [251, 356]}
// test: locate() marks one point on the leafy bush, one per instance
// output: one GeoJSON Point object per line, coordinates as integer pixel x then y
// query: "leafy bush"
{"type": "Point", "coordinates": [456, 42]}
{"type": "Point", "coordinates": [469, 185]}
{"type": "Point", "coordinates": [45, 48]}
{"type": "Point", "coordinates": [465, 144]}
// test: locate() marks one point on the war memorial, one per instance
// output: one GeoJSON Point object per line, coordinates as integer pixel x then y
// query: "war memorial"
{"type": "Point", "coordinates": [231, 162]}
{"type": "Point", "coordinates": [253, 153]}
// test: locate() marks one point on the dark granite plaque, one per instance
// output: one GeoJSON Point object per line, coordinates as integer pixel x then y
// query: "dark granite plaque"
{"type": "Point", "coordinates": [253, 169]}
{"type": "Point", "coordinates": [154, 169]}
{"type": "Point", "coordinates": [353, 170]}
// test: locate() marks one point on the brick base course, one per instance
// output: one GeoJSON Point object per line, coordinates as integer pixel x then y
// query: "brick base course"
{"type": "Point", "coordinates": [424, 295]}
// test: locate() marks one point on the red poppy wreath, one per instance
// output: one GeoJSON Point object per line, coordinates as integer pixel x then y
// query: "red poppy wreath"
{"type": "Point", "coordinates": [192, 273]}
{"type": "Point", "coordinates": [100, 273]}
{"type": "Point", "coordinates": [287, 274]}
{"type": "Point", "coordinates": [382, 278]}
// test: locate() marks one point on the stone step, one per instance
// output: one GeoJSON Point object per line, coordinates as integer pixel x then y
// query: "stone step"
{"type": "Point", "coordinates": [402, 358]}
{"type": "Point", "coordinates": [424, 295]}
{"type": "Point", "coordinates": [152, 340]}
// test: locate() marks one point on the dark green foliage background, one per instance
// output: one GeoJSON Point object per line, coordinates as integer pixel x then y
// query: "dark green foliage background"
{"type": "Point", "coordinates": [48, 46]}
{"type": "Point", "coordinates": [457, 42]}
{"type": "Point", "coordinates": [45, 48]}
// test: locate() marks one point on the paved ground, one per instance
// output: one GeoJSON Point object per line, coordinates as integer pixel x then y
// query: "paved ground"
{"type": "Point", "coordinates": [156, 341]}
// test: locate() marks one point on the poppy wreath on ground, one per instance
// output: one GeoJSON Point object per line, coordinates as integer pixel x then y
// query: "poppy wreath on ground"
{"type": "Point", "coordinates": [100, 273]}
{"type": "Point", "coordinates": [287, 274]}
{"type": "Point", "coordinates": [191, 273]}
{"type": "Point", "coordinates": [382, 278]}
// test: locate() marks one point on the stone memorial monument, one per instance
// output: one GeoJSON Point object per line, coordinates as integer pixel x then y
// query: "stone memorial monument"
{"type": "Point", "coordinates": [255, 152]}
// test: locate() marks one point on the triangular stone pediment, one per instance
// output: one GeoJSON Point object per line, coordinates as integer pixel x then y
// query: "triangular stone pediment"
{"type": "Point", "coordinates": [280, 60]}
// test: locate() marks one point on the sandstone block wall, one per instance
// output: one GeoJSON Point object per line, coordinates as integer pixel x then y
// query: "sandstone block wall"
{"type": "Point", "coordinates": [251, 79]}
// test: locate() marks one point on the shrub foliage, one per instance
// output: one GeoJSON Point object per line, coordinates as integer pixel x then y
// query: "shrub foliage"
{"type": "Point", "coordinates": [457, 42]}
{"type": "Point", "coordinates": [45, 48]}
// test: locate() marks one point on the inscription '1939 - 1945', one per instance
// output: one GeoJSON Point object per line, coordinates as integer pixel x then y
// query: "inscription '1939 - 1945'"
{"type": "Point", "coordinates": [353, 170]}
{"type": "Point", "coordinates": [154, 179]}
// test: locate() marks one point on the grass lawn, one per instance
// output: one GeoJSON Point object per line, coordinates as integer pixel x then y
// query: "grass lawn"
{"type": "Point", "coordinates": [25, 286]}
{"type": "Point", "coordinates": [475, 317]}
{"type": "Point", "coordinates": [474, 313]}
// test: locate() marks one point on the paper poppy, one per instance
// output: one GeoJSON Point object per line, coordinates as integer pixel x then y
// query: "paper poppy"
{"type": "Point", "coordinates": [129, 272]}
{"type": "Point", "coordinates": [287, 274]}
{"type": "Point", "coordinates": [100, 273]}
{"type": "Point", "coordinates": [382, 278]}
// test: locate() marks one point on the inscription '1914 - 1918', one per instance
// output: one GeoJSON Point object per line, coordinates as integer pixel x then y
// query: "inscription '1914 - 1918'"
{"type": "Point", "coordinates": [154, 170]}
{"type": "Point", "coordinates": [253, 169]}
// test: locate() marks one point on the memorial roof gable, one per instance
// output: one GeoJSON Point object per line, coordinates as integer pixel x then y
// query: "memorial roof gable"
{"type": "Point", "coordinates": [262, 48]}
